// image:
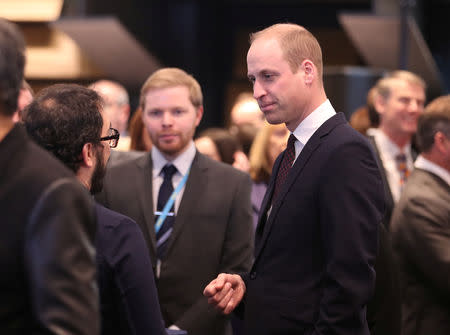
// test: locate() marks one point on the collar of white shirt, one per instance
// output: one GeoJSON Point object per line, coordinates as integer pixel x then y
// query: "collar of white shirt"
{"type": "Point", "coordinates": [386, 146]}
{"type": "Point", "coordinates": [311, 123]}
{"type": "Point", "coordinates": [182, 162]}
{"type": "Point", "coordinates": [427, 165]}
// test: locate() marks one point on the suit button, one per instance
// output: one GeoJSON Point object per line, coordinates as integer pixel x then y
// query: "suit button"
{"type": "Point", "coordinates": [252, 275]}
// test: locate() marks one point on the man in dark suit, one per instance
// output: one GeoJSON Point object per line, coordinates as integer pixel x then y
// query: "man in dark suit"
{"type": "Point", "coordinates": [68, 120]}
{"type": "Point", "coordinates": [207, 228]}
{"type": "Point", "coordinates": [47, 226]}
{"type": "Point", "coordinates": [316, 239]}
{"type": "Point", "coordinates": [421, 228]}
{"type": "Point", "coordinates": [399, 101]}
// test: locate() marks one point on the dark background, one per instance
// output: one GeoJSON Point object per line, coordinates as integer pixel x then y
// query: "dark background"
{"type": "Point", "coordinates": [209, 39]}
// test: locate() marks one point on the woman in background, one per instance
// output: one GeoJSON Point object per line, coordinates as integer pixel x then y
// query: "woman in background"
{"type": "Point", "coordinates": [270, 141]}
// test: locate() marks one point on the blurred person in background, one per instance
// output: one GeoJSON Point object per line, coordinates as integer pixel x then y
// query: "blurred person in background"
{"type": "Point", "coordinates": [220, 145]}
{"type": "Point", "coordinates": [117, 107]}
{"type": "Point", "coordinates": [421, 228]}
{"type": "Point", "coordinates": [195, 212]}
{"type": "Point", "coordinates": [268, 144]}
{"type": "Point", "coordinates": [399, 102]}
{"type": "Point", "coordinates": [139, 139]}
{"type": "Point", "coordinates": [246, 119]}
{"type": "Point", "coordinates": [366, 116]}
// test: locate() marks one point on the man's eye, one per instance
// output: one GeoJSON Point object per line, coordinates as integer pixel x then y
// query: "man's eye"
{"type": "Point", "coordinates": [154, 113]}
{"type": "Point", "coordinates": [177, 111]}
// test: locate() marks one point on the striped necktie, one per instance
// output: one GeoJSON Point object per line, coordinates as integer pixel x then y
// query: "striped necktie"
{"type": "Point", "coordinates": [165, 191]}
{"type": "Point", "coordinates": [402, 168]}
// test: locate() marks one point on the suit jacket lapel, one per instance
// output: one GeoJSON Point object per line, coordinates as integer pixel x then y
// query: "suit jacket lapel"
{"type": "Point", "coordinates": [293, 174]}
{"type": "Point", "coordinates": [145, 188]}
{"type": "Point", "coordinates": [195, 186]}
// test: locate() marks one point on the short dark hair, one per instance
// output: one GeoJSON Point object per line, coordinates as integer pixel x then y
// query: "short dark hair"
{"type": "Point", "coordinates": [435, 118]}
{"type": "Point", "coordinates": [12, 63]}
{"type": "Point", "coordinates": [62, 118]}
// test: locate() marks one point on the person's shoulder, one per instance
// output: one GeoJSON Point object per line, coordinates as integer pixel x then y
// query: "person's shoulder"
{"type": "Point", "coordinates": [120, 157]}
{"type": "Point", "coordinates": [129, 162]}
{"type": "Point", "coordinates": [109, 218]}
{"type": "Point", "coordinates": [220, 168]}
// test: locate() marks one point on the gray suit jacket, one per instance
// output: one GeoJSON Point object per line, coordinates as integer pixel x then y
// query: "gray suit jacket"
{"type": "Point", "coordinates": [212, 234]}
{"type": "Point", "coordinates": [421, 240]}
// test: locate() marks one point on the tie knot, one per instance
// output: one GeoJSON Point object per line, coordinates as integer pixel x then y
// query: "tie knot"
{"type": "Point", "coordinates": [169, 170]}
{"type": "Point", "coordinates": [400, 158]}
{"type": "Point", "coordinates": [291, 140]}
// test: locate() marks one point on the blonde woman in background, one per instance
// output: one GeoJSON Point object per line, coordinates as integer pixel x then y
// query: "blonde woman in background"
{"type": "Point", "coordinates": [268, 144]}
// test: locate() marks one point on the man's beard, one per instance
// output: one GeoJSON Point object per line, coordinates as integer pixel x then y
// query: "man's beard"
{"type": "Point", "coordinates": [98, 174]}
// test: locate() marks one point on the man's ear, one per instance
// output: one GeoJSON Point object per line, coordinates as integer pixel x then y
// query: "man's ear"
{"type": "Point", "coordinates": [439, 142]}
{"type": "Point", "coordinates": [379, 102]}
{"type": "Point", "coordinates": [199, 115]}
{"type": "Point", "coordinates": [88, 155]}
{"type": "Point", "coordinates": [309, 70]}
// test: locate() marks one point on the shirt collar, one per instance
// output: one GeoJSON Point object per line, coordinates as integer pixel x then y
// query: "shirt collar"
{"type": "Point", "coordinates": [313, 121]}
{"type": "Point", "coordinates": [385, 144]}
{"type": "Point", "coordinates": [427, 165]}
{"type": "Point", "coordinates": [182, 162]}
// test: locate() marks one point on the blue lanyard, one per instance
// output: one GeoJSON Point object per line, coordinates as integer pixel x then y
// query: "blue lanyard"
{"type": "Point", "coordinates": [170, 202]}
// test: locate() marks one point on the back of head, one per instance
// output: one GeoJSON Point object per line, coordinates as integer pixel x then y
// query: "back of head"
{"type": "Point", "coordinates": [171, 77]}
{"type": "Point", "coordinates": [436, 118]}
{"type": "Point", "coordinates": [297, 44]}
{"type": "Point", "coordinates": [12, 62]}
{"type": "Point", "coordinates": [64, 117]}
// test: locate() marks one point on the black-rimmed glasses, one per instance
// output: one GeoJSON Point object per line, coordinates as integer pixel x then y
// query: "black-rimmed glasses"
{"type": "Point", "coordinates": [113, 137]}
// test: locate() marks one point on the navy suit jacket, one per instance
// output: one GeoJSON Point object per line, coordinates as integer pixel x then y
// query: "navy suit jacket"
{"type": "Point", "coordinates": [128, 297]}
{"type": "Point", "coordinates": [313, 271]}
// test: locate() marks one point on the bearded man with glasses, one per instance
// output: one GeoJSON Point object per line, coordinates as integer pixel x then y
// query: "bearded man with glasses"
{"type": "Point", "coordinates": [68, 120]}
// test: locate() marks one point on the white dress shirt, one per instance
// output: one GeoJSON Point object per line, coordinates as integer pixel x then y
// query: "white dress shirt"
{"type": "Point", "coordinates": [182, 162]}
{"type": "Point", "coordinates": [310, 124]}
{"type": "Point", "coordinates": [388, 150]}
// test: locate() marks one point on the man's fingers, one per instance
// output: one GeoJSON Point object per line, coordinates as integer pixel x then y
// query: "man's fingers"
{"type": "Point", "coordinates": [223, 305]}
{"type": "Point", "coordinates": [210, 289]}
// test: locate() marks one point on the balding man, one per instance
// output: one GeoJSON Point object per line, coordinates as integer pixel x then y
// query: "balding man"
{"type": "Point", "coordinates": [116, 106]}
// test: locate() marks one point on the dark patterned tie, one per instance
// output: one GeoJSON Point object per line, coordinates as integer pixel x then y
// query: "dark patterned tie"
{"type": "Point", "coordinates": [285, 166]}
{"type": "Point", "coordinates": [402, 168]}
{"type": "Point", "coordinates": [165, 191]}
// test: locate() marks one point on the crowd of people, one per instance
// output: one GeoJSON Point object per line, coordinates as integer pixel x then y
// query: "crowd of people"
{"type": "Point", "coordinates": [290, 220]}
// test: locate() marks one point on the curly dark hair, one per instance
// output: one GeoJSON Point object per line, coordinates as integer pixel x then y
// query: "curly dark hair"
{"type": "Point", "coordinates": [12, 62]}
{"type": "Point", "coordinates": [62, 118]}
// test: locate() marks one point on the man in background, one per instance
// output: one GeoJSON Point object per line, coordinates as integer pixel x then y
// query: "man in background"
{"type": "Point", "coordinates": [421, 228]}
{"type": "Point", "coordinates": [194, 212]}
{"type": "Point", "coordinates": [48, 282]}
{"type": "Point", "coordinates": [117, 107]}
{"type": "Point", "coordinates": [399, 102]}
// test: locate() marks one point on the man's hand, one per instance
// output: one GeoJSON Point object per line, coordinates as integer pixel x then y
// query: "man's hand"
{"type": "Point", "coordinates": [225, 292]}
